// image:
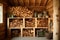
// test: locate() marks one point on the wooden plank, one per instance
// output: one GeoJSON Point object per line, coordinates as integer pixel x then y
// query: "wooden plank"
{"type": "Point", "coordinates": [51, 13]}
{"type": "Point", "coordinates": [2, 38]}
{"type": "Point", "coordinates": [43, 2]}
{"type": "Point", "coordinates": [26, 2]}
{"type": "Point", "coordinates": [48, 7]}
{"type": "Point", "coordinates": [2, 33]}
{"type": "Point", "coordinates": [36, 8]}
{"type": "Point", "coordinates": [49, 1]}
{"type": "Point", "coordinates": [11, 2]}
{"type": "Point", "coordinates": [2, 29]}
{"type": "Point", "coordinates": [32, 2]}
{"type": "Point", "coordinates": [15, 2]}
{"type": "Point", "coordinates": [21, 2]}
{"type": "Point", "coordinates": [37, 2]}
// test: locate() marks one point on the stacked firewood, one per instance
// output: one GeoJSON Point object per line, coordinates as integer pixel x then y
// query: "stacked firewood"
{"type": "Point", "coordinates": [30, 22]}
{"type": "Point", "coordinates": [16, 23]}
{"type": "Point", "coordinates": [20, 11]}
{"type": "Point", "coordinates": [16, 32]}
{"type": "Point", "coordinates": [42, 23]}
{"type": "Point", "coordinates": [27, 33]}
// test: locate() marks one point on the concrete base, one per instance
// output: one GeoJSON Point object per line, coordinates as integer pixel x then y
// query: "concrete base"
{"type": "Point", "coordinates": [30, 38]}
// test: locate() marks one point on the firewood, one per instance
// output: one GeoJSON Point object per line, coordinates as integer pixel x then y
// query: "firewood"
{"type": "Point", "coordinates": [16, 23]}
{"type": "Point", "coordinates": [30, 23]}
{"type": "Point", "coordinates": [27, 32]}
{"type": "Point", "coordinates": [20, 11]}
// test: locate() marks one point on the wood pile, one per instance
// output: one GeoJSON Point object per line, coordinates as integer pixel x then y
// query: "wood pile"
{"type": "Point", "coordinates": [20, 11]}
{"type": "Point", "coordinates": [30, 22]}
{"type": "Point", "coordinates": [16, 23]}
{"type": "Point", "coordinates": [42, 22]}
{"type": "Point", "coordinates": [27, 33]}
{"type": "Point", "coordinates": [16, 32]}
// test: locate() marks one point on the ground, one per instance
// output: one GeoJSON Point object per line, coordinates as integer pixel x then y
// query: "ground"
{"type": "Point", "coordinates": [29, 38]}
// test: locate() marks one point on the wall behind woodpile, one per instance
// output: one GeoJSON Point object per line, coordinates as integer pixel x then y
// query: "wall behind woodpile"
{"type": "Point", "coordinates": [3, 25]}
{"type": "Point", "coordinates": [49, 7]}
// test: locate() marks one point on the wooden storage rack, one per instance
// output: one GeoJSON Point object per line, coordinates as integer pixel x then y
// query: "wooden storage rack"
{"type": "Point", "coordinates": [34, 24]}
{"type": "Point", "coordinates": [27, 20]}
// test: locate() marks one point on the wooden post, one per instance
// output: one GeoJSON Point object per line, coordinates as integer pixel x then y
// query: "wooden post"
{"type": "Point", "coordinates": [55, 19]}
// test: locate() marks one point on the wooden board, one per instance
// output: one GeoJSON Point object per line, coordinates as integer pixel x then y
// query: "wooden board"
{"type": "Point", "coordinates": [32, 2]}
{"type": "Point", "coordinates": [2, 29]}
{"type": "Point", "coordinates": [26, 2]}
{"type": "Point", "coordinates": [43, 2]}
{"type": "Point", "coordinates": [37, 2]}
{"type": "Point", "coordinates": [15, 2]}
{"type": "Point", "coordinates": [21, 2]}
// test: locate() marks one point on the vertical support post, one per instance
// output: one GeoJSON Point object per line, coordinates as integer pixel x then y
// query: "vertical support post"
{"type": "Point", "coordinates": [55, 19]}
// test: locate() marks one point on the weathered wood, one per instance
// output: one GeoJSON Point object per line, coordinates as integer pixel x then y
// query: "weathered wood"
{"type": "Point", "coordinates": [37, 2]}
{"type": "Point", "coordinates": [49, 1]}
{"type": "Point", "coordinates": [21, 2]}
{"type": "Point", "coordinates": [26, 2]}
{"type": "Point", "coordinates": [56, 19]}
{"type": "Point", "coordinates": [32, 2]}
{"type": "Point", "coordinates": [43, 2]}
{"type": "Point", "coordinates": [36, 8]}
{"type": "Point", "coordinates": [3, 25]}
{"type": "Point", "coordinates": [2, 29]}
{"type": "Point", "coordinates": [49, 7]}
{"type": "Point", "coordinates": [15, 2]}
